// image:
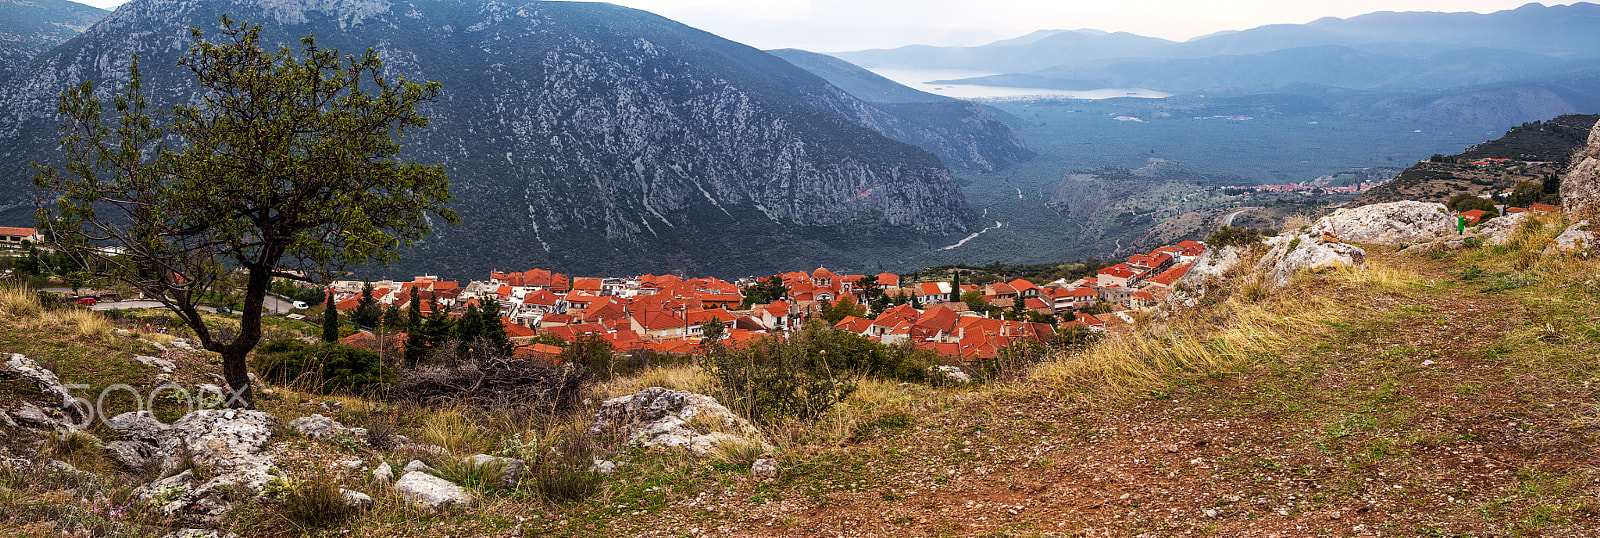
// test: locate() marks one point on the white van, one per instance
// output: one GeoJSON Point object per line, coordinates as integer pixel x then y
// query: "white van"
{"type": "Point", "coordinates": [299, 305]}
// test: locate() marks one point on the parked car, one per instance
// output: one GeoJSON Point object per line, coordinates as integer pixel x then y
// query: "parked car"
{"type": "Point", "coordinates": [86, 301]}
{"type": "Point", "coordinates": [224, 310]}
{"type": "Point", "coordinates": [299, 305]}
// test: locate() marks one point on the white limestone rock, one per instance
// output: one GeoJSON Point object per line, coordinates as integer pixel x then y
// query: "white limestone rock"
{"type": "Point", "coordinates": [431, 493]}
{"type": "Point", "coordinates": [356, 499]}
{"type": "Point", "coordinates": [1288, 254]}
{"type": "Point", "coordinates": [232, 443]}
{"type": "Point", "coordinates": [659, 417]}
{"type": "Point", "coordinates": [1580, 186]}
{"type": "Point", "coordinates": [1578, 239]}
{"type": "Point", "coordinates": [765, 467]}
{"type": "Point", "coordinates": [384, 473]}
{"type": "Point", "coordinates": [1499, 230]}
{"type": "Point", "coordinates": [1391, 224]}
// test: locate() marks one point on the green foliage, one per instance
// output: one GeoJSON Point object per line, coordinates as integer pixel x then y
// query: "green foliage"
{"type": "Point", "coordinates": [1526, 193]}
{"type": "Point", "coordinates": [368, 312]}
{"type": "Point", "coordinates": [310, 504]}
{"type": "Point", "coordinates": [767, 290]}
{"type": "Point", "coordinates": [836, 311]}
{"type": "Point", "coordinates": [328, 368]}
{"type": "Point", "coordinates": [1012, 362]}
{"type": "Point", "coordinates": [596, 355]}
{"type": "Point", "coordinates": [330, 320]}
{"type": "Point", "coordinates": [1234, 236]}
{"type": "Point", "coordinates": [803, 376]}
{"type": "Point", "coordinates": [287, 163]}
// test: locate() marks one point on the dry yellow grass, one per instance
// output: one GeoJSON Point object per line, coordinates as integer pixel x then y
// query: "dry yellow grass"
{"type": "Point", "coordinates": [87, 322]}
{"type": "Point", "coordinates": [676, 377]}
{"type": "Point", "coordinates": [19, 301]}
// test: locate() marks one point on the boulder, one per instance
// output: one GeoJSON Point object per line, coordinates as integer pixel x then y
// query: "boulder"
{"type": "Point", "coordinates": [510, 468]}
{"type": "Point", "coordinates": [231, 443]}
{"type": "Point", "coordinates": [1577, 239]}
{"type": "Point", "coordinates": [317, 426]}
{"type": "Point", "coordinates": [142, 439]}
{"type": "Point", "coordinates": [32, 416]}
{"type": "Point", "coordinates": [660, 417]}
{"type": "Point", "coordinates": [1391, 224]}
{"type": "Point", "coordinates": [183, 497]}
{"type": "Point", "coordinates": [431, 493]}
{"type": "Point", "coordinates": [21, 367]}
{"type": "Point", "coordinates": [1291, 253]}
{"type": "Point", "coordinates": [1580, 186]}
{"type": "Point", "coordinates": [1500, 230]}
{"type": "Point", "coordinates": [384, 473]}
{"type": "Point", "coordinates": [418, 466]}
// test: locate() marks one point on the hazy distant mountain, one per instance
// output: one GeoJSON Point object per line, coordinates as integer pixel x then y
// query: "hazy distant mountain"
{"type": "Point", "coordinates": [1027, 53]}
{"type": "Point", "coordinates": [586, 138]}
{"type": "Point", "coordinates": [1383, 51]}
{"type": "Point", "coordinates": [964, 135]}
{"type": "Point", "coordinates": [30, 27]}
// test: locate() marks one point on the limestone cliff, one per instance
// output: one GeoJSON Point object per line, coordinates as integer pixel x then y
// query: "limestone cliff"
{"type": "Point", "coordinates": [1580, 187]}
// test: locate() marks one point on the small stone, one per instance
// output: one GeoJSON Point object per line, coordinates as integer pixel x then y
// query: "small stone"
{"type": "Point", "coordinates": [155, 362]}
{"type": "Point", "coordinates": [1211, 512]}
{"type": "Point", "coordinates": [384, 473]}
{"type": "Point", "coordinates": [352, 464]}
{"type": "Point", "coordinates": [603, 467]}
{"type": "Point", "coordinates": [356, 499]}
{"type": "Point", "coordinates": [510, 471]}
{"type": "Point", "coordinates": [417, 465]}
{"type": "Point", "coordinates": [765, 467]}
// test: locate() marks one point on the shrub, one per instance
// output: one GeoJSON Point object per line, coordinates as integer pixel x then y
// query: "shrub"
{"type": "Point", "coordinates": [800, 377]}
{"type": "Point", "coordinates": [326, 368]}
{"type": "Point", "coordinates": [1234, 236]}
{"type": "Point", "coordinates": [311, 504]}
{"type": "Point", "coordinates": [565, 475]}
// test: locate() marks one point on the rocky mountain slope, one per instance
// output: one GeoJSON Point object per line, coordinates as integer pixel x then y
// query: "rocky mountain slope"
{"type": "Point", "coordinates": [965, 135]}
{"type": "Point", "coordinates": [583, 137]}
{"type": "Point", "coordinates": [28, 28]}
{"type": "Point", "coordinates": [1536, 149]}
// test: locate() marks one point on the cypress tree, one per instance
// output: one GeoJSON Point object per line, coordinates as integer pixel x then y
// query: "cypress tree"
{"type": "Point", "coordinates": [494, 329]}
{"type": "Point", "coordinates": [330, 320]}
{"type": "Point", "coordinates": [416, 333]}
{"type": "Point", "coordinates": [955, 286]}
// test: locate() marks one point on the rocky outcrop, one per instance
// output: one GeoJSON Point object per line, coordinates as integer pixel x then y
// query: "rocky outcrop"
{"type": "Point", "coordinates": [142, 439]}
{"type": "Point", "coordinates": [1500, 230]}
{"type": "Point", "coordinates": [1292, 253]}
{"type": "Point", "coordinates": [672, 418]}
{"type": "Point", "coordinates": [56, 400]}
{"type": "Point", "coordinates": [1580, 187]}
{"type": "Point", "coordinates": [317, 426]}
{"type": "Point", "coordinates": [431, 493]}
{"type": "Point", "coordinates": [231, 444]}
{"type": "Point", "coordinates": [1390, 224]}
{"type": "Point", "coordinates": [1580, 238]}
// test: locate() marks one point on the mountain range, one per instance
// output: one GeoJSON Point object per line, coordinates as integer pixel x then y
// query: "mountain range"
{"type": "Point", "coordinates": [28, 28]}
{"type": "Point", "coordinates": [588, 138]}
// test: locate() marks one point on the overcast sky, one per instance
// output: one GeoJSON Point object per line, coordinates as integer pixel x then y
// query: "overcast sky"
{"type": "Point", "coordinates": [842, 25]}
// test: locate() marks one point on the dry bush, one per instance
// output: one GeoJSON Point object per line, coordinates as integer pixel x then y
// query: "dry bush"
{"type": "Point", "coordinates": [19, 301]}
{"type": "Point", "coordinates": [495, 383]}
{"type": "Point", "coordinates": [88, 322]}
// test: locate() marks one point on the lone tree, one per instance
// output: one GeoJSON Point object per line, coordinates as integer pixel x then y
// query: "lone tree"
{"type": "Point", "coordinates": [283, 162]}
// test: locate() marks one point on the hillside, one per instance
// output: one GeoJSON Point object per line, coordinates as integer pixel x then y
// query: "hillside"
{"type": "Point", "coordinates": [1449, 393]}
{"type": "Point", "coordinates": [966, 136]}
{"type": "Point", "coordinates": [617, 142]}
{"type": "Point", "coordinates": [28, 28]}
{"type": "Point", "coordinates": [1533, 150]}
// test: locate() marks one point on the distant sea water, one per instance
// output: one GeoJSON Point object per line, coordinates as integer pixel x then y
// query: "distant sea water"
{"type": "Point", "coordinates": [918, 78]}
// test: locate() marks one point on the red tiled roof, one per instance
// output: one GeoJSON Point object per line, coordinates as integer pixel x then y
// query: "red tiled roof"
{"type": "Point", "coordinates": [12, 230]}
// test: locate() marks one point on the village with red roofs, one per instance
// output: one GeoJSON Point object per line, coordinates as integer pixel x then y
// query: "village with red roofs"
{"type": "Point", "coordinates": [670, 313]}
